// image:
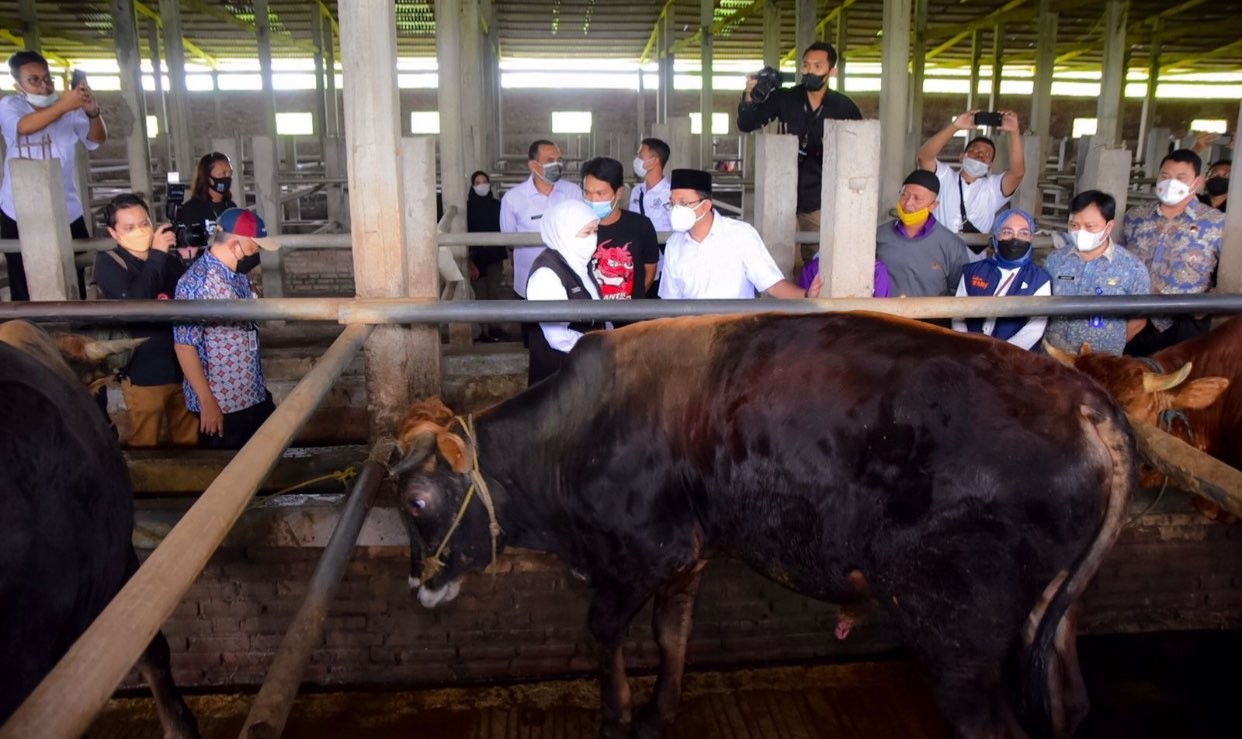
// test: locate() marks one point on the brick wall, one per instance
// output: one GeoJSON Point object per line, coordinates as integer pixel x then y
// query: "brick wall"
{"type": "Point", "coordinates": [319, 273]}
{"type": "Point", "coordinates": [1171, 571]}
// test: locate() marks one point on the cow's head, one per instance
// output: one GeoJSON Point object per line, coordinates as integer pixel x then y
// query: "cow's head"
{"type": "Point", "coordinates": [1145, 394]}
{"type": "Point", "coordinates": [86, 358]}
{"type": "Point", "coordinates": [444, 496]}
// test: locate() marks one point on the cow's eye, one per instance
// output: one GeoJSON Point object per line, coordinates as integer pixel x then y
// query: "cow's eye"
{"type": "Point", "coordinates": [420, 503]}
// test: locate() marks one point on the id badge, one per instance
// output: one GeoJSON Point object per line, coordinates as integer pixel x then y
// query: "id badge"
{"type": "Point", "coordinates": [252, 340]}
{"type": "Point", "coordinates": [1097, 321]}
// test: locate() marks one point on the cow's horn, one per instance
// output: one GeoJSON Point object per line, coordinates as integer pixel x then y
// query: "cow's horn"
{"type": "Point", "coordinates": [1058, 354]}
{"type": "Point", "coordinates": [97, 351]}
{"type": "Point", "coordinates": [1154, 382]}
{"type": "Point", "coordinates": [422, 447]}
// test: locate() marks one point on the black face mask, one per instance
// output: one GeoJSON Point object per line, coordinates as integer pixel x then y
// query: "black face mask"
{"type": "Point", "coordinates": [1217, 186]}
{"type": "Point", "coordinates": [221, 184]}
{"type": "Point", "coordinates": [814, 81]}
{"type": "Point", "coordinates": [1011, 250]}
{"type": "Point", "coordinates": [247, 263]}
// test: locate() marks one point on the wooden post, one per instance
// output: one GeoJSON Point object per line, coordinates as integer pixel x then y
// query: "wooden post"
{"type": "Point", "coordinates": [707, 10]}
{"type": "Point", "coordinates": [849, 207]}
{"type": "Point", "coordinates": [263, 36]}
{"type": "Point", "coordinates": [129, 59]}
{"type": "Point", "coordinates": [178, 129]}
{"type": "Point", "coordinates": [43, 222]}
{"type": "Point", "coordinates": [1112, 80]}
{"type": "Point", "coordinates": [421, 343]}
{"type": "Point", "coordinates": [776, 196]}
{"type": "Point", "coordinates": [893, 96]}
{"type": "Point", "coordinates": [377, 198]}
{"type": "Point", "coordinates": [1041, 100]}
{"type": "Point", "coordinates": [267, 201]}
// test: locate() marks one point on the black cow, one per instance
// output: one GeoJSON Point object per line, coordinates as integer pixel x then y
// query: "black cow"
{"type": "Point", "coordinates": [967, 487]}
{"type": "Point", "coordinates": [66, 515]}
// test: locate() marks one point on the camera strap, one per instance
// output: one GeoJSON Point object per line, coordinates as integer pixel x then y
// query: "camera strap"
{"type": "Point", "coordinates": [967, 226]}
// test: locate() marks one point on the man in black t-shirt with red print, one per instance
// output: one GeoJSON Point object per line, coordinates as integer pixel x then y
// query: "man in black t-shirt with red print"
{"type": "Point", "coordinates": [625, 260]}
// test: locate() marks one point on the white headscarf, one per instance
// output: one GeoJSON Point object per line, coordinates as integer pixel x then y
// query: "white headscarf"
{"type": "Point", "coordinates": [559, 228]}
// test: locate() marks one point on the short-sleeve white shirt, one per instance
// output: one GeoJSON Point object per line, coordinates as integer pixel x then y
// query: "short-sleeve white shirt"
{"type": "Point", "coordinates": [521, 211]}
{"type": "Point", "coordinates": [730, 263]}
{"type": "Point", "coordinates": [653, 201]}
{"type": "Point", "coordinates": [58, 140]}
{"type": "Point", "coordinates": [984, 197]}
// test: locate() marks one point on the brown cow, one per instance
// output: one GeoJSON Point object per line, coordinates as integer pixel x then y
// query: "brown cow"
{"type": "Point", "coordinates": [1193, 390]}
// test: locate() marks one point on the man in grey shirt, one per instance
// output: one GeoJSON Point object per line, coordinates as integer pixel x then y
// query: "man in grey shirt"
{"type": "Point", "coordinates": [923, 258]}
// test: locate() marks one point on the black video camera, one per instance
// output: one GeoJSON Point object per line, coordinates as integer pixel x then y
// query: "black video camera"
{"type": "Point", "coordinates": [767, 81]}
{"type": "Point", "coordinates": [192, 234]}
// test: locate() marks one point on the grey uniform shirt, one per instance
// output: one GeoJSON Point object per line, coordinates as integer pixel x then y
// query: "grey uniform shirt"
{"type": "Point", "coordinates": [927, 265]}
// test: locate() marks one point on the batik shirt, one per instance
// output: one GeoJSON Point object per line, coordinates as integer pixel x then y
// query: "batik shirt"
{"type": "Point", "coordinates": [1115, 272]}
{"type": "Point", "coordinates": [229, 351]}
{"type": "Point", "coordinates": [1180, 252]}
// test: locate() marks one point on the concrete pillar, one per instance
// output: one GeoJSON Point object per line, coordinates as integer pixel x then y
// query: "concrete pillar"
{"type": "Point", "coordinates": [1229, 275]}
{"type": "Point", "coordinates": [376, 199]}
{"type": "Point", "coordinates": [43, 220]}
{"type": "Point", "coordinates": [976, 58]}
{"type": "Point", "coordinates": [449, 54]}
{"type": "Point", "coordinates": [772, 34]}
{"type": "Point", "coordinates": [1108, 169]}
{"type": "Point", "coordinates": [161, 100]}
{"type": "Point", "coordinates": [335, 163]}
{"type": "Point", "coordinates": [230, 148]}
{"type": "Point", "coordinates": [263, 34]}
{"type": "Point", "coordinates": [893, 96]}
{"type": "Point", "coordinates": [267, 201]}
{"type": "Point", "coordinates": [850, 208]}
{"type": "Point", "coordinates": [805, 19]}
{"type": "Point", "coordinates": [1148, 116]}
{"type": "Point", "coordinates": [321, 101]}
{"type": "Point", "coordinates": [1155, 147]}
{"type": "Point", "coordinates": [82, 181]}
{"type": "Point", "coordinates": [30, 26]}
{"type": "Point", "coordinates": [914, 137]}
{"type": "Point", "coordinates": [1027, 196]}
{"type": "Point", "coordinates": [1112, 81]}
{"type": "Point", "coordinates": [179, 149]}
{"type": "Point", "coordinates": [1041, 100]}
{"type": "Point", "coordinates": [998, 64]}
{"type": "Point", "coordinates": [677, 135]}
{"type": "Point", "coordinates": [641, 112]}
{"type": "Point", "coordinates": [842, 38]}
{"type": "Point", "coordinates": [129, 59]}
{"type": "Point", "coordinates": [334, 114]}
{"type": "Point", "coordinates": [776, 196]}
{"type": "Point", "coordinates": [707, 10]}
{"type": "Point", "coordinates": [471, 78]}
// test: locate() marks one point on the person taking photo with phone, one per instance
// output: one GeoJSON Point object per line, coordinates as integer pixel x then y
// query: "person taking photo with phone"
{"type": "Point", "coordinates": [41, 123]}
{"type": "Point", "coordinates": [971, 196]}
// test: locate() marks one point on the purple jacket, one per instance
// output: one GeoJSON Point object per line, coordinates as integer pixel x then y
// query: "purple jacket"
{"type": "Point", "coordinates": [881, 277]}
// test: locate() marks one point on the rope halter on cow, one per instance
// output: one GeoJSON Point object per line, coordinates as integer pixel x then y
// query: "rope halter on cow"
{"type": "Point", "coordinates": [434, 563]}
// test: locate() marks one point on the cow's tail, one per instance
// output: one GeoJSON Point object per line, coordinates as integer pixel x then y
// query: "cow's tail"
{"type": "Point", "coordinates": [1113, 447]}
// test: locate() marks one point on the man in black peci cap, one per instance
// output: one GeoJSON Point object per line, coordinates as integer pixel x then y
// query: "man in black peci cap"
{"type": "Point", "coordinates": [923, 258]}
{"type": "Point", "coordinates": [713, 257]}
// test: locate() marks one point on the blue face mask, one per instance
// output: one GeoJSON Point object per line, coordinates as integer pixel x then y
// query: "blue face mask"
{"type": "Point", "coordinates": [602, 209]}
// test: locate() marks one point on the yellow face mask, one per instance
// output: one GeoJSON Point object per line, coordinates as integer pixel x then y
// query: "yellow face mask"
{"type": "Point", "coordinates": [915, 219]}
{"type": "Point", "coordinates": [139, 239]}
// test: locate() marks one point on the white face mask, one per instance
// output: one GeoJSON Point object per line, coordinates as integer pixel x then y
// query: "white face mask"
{"type": "Point", "coordinates": [1085, 240]}
{"type": "Point", "coordinates": [42, 101]}
{"type": "Point", "coordinates": [482, 189]}
{"type": "Point", "coordinates": [974, 167]}
{"type": "Point", "coordinates": [682, 218]}
{"type": "Point", "coordinates": [1172, 192]}
{"type": "Point", "coordinates": [582, 248]}
{"type": "Point", "coordinates": [640, 169]}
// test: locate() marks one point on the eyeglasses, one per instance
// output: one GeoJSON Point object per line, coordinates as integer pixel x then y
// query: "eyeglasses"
{"type": "Point", "coordinates": [1009, 233]}
{"type": "Point", "coordinates": [691, 204]}
{"type": "Point", "coordinates": [37, 81]}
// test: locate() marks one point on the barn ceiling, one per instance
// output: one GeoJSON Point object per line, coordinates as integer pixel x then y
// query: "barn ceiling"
{"type": "Point", "coordinates": [1196, 34]}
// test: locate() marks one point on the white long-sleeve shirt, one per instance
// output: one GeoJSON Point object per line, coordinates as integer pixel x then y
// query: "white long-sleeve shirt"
{"type": "Point", "coordinates": [521, 211]}
{"type": "Point", "coordinates": [545, 285]}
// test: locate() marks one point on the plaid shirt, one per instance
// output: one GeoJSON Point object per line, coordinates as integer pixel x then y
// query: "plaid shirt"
{"type": "Point", "coordinates": [229, 351]}
{"type": "Point", "coordinates": [1180, 252]}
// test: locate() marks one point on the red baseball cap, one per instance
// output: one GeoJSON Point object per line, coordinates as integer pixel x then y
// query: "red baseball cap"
{"type": "Point", "coordinates": [247, 223]}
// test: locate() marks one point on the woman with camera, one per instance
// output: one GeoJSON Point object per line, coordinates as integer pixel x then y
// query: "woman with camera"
{"type": "Point", "coordinates": [141, 267]}
{"type": "Point", "coordinates": [211, 194]}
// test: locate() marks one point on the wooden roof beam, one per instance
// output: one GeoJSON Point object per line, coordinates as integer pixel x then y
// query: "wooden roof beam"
{"type": "Point", "coordinates": [143, 9]}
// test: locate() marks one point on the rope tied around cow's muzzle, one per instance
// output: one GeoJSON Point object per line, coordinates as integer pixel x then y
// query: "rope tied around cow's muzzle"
{"type": "Point", "coordinates": [433, 564]}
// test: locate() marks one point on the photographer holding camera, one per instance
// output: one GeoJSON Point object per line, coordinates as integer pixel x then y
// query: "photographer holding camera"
{"type": "Point", "coordinates": [211, 194]}
{"type": "Point", "coordinates": [141, 268]}
{"type": "Point", "coordinates": [971, 197]}
{"type": "Point", "coordinates": [801, 111]}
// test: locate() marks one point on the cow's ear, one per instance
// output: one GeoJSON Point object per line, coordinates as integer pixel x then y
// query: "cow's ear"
{"type": "Point", "coordinates": [1200, 393]}
{"type": "Point", "coordinates": [1058, 354]}
{"type": "Point", "coordinates": [455, 452]}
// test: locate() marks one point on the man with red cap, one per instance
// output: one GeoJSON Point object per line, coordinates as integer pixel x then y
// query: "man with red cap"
{"type": "Point", "coordinates": [224, 382]}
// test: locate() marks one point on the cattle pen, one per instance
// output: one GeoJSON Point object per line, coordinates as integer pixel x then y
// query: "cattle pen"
{"type": "Point", "coordinates": [73, 693]}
